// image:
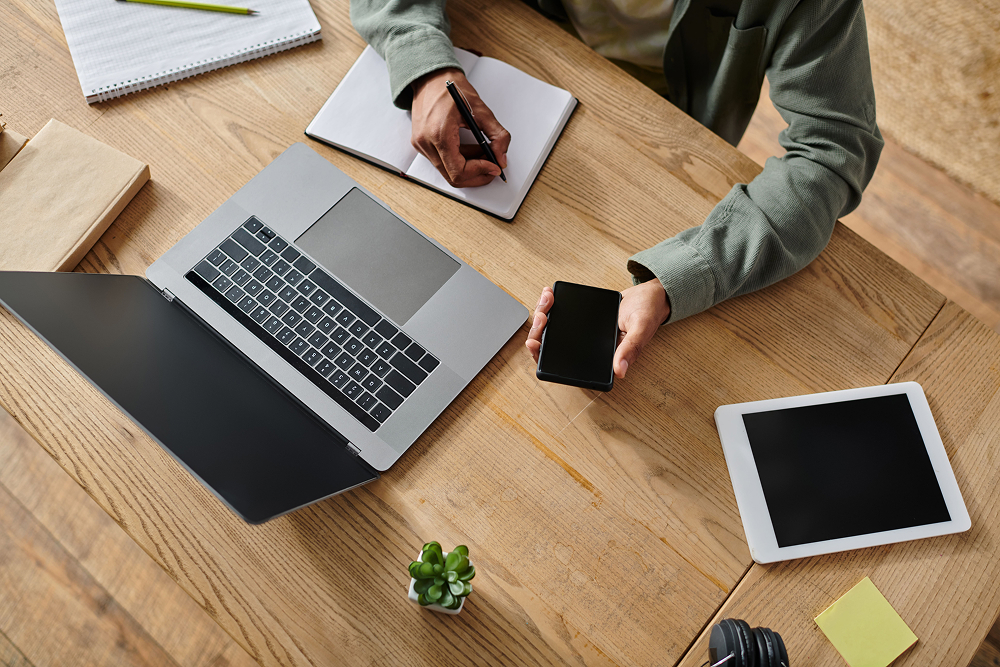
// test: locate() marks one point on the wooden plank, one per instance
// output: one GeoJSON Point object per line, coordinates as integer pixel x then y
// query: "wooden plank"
{"type": "Point", "coordinates": [570, 505]}
{"type": "Point", "coordinates": [116, 563]}
{"type": "Point", "coordinates": [947, 589]}
{"type": "Point", "coordinates": [50, 79]}
{"type": "Point", "coordinates": [994, 635]}
{"type": "Point", "coordinates": [988, 655]}
{"type": "Point", "coordinates": [10, 655]}
{"type": "Point", "coordinates": [281, 581]}
{"type": "Point", "coordinates": [54, 611]}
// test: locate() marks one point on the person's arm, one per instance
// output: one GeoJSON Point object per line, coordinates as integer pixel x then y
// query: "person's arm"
{"type": "Point", "coordinates": [410, 35]}
{"type": "Point", "coordinates": [760, 233]}
{"type": "Point", "coordinates": [412, 38]}
{"type": "Point", "coordinates": [765, 231]}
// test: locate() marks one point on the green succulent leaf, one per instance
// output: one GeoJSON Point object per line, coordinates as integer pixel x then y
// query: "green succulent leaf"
{"type": "Point", "coordinates": [441, 579]}
{"type": "Point", "coordinates": [447, 599]}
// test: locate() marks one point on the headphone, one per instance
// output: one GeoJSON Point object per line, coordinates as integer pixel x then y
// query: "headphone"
{"type": "Point", "coordinates": [733, 643]}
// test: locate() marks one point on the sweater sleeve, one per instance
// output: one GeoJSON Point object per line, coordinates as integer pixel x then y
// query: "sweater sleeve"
{"type": "Point", "coordinates": [766, 230]}
{"type": "Point", "coordinates": [410, 35]}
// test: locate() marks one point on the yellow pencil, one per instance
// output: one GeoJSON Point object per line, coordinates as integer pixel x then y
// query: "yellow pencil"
{"type": "Point", "coordinates": [196, 5]}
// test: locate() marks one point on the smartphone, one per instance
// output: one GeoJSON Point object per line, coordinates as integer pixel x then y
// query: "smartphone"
{"type": "Point", "coordinates": [579, 341]}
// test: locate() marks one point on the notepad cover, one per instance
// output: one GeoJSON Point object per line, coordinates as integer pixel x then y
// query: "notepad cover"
{"type": "Point", "coordinates": [59, 195]}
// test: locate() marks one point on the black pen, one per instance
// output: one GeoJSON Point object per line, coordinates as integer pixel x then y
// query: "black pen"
{"type": "Point", "coordinates": [467, 116]}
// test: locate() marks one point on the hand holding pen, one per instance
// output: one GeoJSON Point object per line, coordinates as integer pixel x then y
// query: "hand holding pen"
{"type": "Point", "coordinates": [470, 123]}
{"type": "Point", "coordinates": [436, 123]}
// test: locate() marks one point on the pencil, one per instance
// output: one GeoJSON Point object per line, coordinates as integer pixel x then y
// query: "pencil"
{"type": "Point", "coordinates": [196, 5]}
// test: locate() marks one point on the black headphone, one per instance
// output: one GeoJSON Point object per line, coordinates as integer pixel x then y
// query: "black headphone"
{"type": "Point", "coordinates": [734, 644]}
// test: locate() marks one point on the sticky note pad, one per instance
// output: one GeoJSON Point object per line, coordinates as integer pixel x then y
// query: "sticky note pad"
{"type": "Point", "coordinates": [864, 627]}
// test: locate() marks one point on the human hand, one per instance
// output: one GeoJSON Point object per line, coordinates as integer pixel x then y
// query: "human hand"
{"type": "Point", "coordinates": [436, 121]}
{"type": "Point", "coordinates": [643, 309]}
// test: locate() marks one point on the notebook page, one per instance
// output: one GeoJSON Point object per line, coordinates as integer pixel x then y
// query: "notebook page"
{"type": "Point", "coordinates": [359, 116]}
{"type": "Point", "coordinates": [133, 46]}
{"type": "Point", "coordinates": [532, 111]}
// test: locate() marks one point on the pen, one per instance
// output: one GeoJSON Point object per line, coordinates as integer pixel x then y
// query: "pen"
{"type": "Point", "coordinates": [196, 5]}
{"type": "Point", "coordinates": [467, 116]}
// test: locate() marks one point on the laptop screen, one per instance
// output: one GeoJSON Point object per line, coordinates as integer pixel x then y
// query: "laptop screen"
{"type": "Point", "coordinates": [242, 436]}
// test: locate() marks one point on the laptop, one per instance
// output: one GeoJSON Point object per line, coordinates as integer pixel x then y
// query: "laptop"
{"type": "Point", "coordinates": [290, 347]}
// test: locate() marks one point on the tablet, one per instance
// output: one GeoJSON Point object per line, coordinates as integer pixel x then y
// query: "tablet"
{"type": "Point", "coordinates": [839, 470]}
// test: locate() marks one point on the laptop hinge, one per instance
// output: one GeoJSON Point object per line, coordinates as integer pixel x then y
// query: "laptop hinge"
{"type": "Point", "coordinates": [167, 294]}
{"type": "Point", "coordinates": [353, 449]}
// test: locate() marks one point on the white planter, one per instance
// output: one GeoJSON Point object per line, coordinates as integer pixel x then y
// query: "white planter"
{"type": "Point", "coordinates": [414, 597]}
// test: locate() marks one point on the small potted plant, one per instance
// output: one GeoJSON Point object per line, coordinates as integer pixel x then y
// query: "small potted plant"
{"type": "Point", "coordinates": [440, 581]}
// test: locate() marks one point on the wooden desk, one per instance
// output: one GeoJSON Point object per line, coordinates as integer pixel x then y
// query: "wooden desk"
{"type": "Point", "coordinates": [603, 526]}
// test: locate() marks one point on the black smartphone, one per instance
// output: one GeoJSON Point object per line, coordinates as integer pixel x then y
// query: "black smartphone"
{"type": "Point", "coordinates": [578, 344]}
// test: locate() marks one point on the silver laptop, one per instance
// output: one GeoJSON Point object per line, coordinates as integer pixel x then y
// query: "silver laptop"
{"type": "Point", "coordinates": [395, 304]}
{"type": "Point", "coordinates": [362, 328]}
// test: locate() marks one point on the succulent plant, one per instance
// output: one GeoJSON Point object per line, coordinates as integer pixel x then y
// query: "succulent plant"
{"type": "Point", "coordinates": [442, 580]}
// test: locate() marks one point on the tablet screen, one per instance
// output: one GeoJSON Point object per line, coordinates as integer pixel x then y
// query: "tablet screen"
{"type": "Point", "coordinates": [844, 469]}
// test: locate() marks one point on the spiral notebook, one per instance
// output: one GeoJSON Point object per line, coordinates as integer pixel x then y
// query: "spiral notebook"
{"type": "Point", "coordinates": [360, 118]}
{"type": "Point", "coordinates": [124, 47]}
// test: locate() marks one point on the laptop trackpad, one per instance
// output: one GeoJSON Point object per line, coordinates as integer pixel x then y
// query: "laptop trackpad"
{"type": "Point", "coordinates": [378, 255]}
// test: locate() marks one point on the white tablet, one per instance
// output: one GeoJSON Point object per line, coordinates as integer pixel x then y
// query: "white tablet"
{"type": "Point", "coordinates": [840, 470]}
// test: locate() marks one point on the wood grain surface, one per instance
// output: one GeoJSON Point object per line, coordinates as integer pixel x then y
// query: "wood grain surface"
{"type": "Point", "coordinates": [603, 527]}
{"type": "Point", "coordinates": [90, 545]}
{"type": "Point", "coordinates": [10, 655]}
{"type": "Point", "coordinates": [947, 589]}
{"type": "Point", "coordinates": [35, 566]}
{"type": "Point", "coordinates": [988, 654]}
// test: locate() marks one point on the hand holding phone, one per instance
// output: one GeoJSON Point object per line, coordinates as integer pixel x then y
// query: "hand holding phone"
{"type": "Point", "coordinates": [580, 337]}
{"type": "Point", "coordinates": [644, 307]}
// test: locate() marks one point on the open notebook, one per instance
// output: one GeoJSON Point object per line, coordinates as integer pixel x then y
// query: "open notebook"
{"type": "Point", "coordinates": [361, 119]}
{"type": "Point", "coordinates": [125, 47]}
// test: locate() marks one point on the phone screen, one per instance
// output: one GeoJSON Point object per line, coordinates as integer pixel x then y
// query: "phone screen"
{"type": "Point", "coordinates": [578, 345]}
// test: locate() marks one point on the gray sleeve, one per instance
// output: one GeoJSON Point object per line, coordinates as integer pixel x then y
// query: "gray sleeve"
{"type": "Point", "coordinates": [760, 233]}
{"type": "Point", "coordinates": [412, 37]}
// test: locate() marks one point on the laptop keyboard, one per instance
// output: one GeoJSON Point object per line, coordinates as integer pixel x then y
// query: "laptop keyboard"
{"type": "Point", "coordinates": [336, 340]}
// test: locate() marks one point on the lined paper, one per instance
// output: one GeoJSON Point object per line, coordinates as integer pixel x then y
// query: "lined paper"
{"type": "Point", "coordinates": [360, 118]}
{"type": "Point", "coordinates": [124, 47]}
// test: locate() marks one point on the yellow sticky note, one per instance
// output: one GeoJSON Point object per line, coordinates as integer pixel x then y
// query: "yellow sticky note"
{"type": "Point", "coordinates": [864, 627]}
